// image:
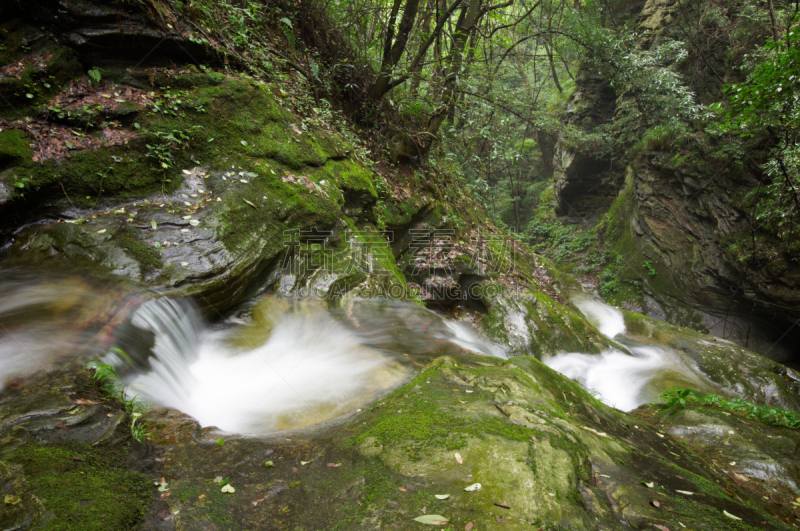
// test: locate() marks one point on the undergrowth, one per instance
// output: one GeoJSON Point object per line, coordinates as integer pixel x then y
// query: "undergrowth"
{"type": "Point", "coordinates": [677, 398]}
{"type": "Point", "coordinates": [111, 383]}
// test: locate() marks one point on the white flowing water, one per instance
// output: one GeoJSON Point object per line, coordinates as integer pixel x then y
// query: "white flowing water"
{"type": "Point", "coordinates": [607, 319]}
{"type": "Point", "coordinates": [279, 365]}
{"type": "Point", "coordinates": [285, 366]}
{"type": "Point", "coordinates": [619, 379]}
{"type": "Point", "coordinates": [44, 321]}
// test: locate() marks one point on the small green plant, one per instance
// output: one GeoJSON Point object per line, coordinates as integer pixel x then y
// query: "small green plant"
{"type": "Point", "coordinates": [679, 398]}
{"type": "Point", "coordinates": [650, 269]}
{"type": "Point", "coordinates": [111, 383]}
{"type": "Point", "coordinates": [95, 75]}
{"type": "Point", "coordinates": [164, 152]}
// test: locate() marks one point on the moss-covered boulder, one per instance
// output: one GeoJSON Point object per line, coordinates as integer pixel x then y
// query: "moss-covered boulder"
{"type": "Point", "coordinates": [545, 453]}
{"type": "Point", "coordinates": [222, 231]}
{"type": "Point", "coordinates": [532, 323]}
{"type": "Point", "coordinates": [66, 459]}
{"type": "Point", "coordinates": [759, 457]}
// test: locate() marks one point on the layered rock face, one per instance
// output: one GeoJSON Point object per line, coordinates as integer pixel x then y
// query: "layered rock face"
{"type": "Point", "coordinates": [679, 214]}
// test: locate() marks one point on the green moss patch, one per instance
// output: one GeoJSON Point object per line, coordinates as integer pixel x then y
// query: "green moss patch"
{"type": "Point", "coordinates": [85, 488]}
{"type": "Point", "coordinates": [146, 256]}
{"type": "Point", "coordinates": [14, 147]}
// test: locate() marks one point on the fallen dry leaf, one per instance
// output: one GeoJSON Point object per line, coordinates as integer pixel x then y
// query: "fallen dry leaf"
{"type": "Point", "coordinates": [469, 526]}
{"type": "Point", "coordinates": [85, 402]}
{"type": "Point", "coordinates": [334, 465]}
{"type": "Point", "coordinates": [431, 519]}
{"type": "Point", "coordinates": [459, 460]}
{"type": "Point", "coordinates": [62, 426]}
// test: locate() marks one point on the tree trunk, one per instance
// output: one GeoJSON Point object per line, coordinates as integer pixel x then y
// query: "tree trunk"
{"type": "Point", "coordinates": [416, 72]}
{"type": "Point", "coordinates": [393, 48]}
{"type": "Point", "coordinates": [774, 22]}
{"type": "Point", "coordinates": [553, 67]}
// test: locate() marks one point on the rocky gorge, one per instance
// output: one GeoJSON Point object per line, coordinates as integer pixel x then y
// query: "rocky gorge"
{"type": "Point", "coordinates": [305, 336]}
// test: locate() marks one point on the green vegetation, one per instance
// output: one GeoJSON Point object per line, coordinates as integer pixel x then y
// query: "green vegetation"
{"type": "Point", "coordinates": [681, 398]}
{"type": "Point", "coordinates": [85, 487]}
{"type": "Point", "coordinates": [109, 379]}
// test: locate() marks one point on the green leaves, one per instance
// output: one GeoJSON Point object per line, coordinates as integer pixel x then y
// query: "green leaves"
{"type": "Point", "coordinates": [677, 398]}
{"type": "Point", "coordinates": [680, 398]}
{"type": "Point", "coordinates": [94, 75]}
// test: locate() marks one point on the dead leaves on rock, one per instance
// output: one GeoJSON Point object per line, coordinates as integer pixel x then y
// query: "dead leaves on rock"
{"type": "Point", "coordinates": [85, 402]}
{"type": "Point", "coordinates": [16, 68]}
{"type": "Point", "coordinates": [55, 141]}
{"type": "Point", "coordinates": [303, 181]}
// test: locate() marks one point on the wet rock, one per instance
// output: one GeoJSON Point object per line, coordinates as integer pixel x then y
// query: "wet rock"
{"type": "Point", "coordinates": [758, 456]}
{"type": "Point", "coordinates": [533, 324]}
{"type": "Point", "coordinates": [535, 441]}
{"type": "Point", "coordinates": [733, 370]}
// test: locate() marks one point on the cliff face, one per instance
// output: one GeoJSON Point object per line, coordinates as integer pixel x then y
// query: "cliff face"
{"type": "Point", "coordinates": [586, 182]}
{"type": "Point", "coordinates": [677, 219]}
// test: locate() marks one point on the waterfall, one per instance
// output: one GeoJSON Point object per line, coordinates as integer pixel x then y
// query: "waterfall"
{"type": "Point", "coordinates": [621, 379]}
{"type": "Point", "coordinates": [607, 319]}
{"type": "Point", "coordinates": [282, 366]}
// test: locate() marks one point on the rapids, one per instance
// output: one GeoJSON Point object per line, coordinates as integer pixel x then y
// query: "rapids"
{"type": "Point", "coordinates": [277, 365]}
{"type": "Point", "coordinates": [624, 379]}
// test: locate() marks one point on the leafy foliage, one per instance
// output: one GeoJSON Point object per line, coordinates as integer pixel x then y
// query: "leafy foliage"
{"type": "Point", "coordinates": [109, 379]}
{"type": "Point", "coordinates": [680, 398]}
{"type": "Point", "coordinates": [766, 104]}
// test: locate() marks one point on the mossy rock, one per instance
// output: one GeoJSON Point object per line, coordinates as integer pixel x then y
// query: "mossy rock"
{"type": "Point", "coordinates": [546, 453]}
{"type": "Point", "coordinates": [14, 147]}
{"type": "Point", "coordinates": [83, 487]}
{"type": "Point", "coordinates": [533, 324]}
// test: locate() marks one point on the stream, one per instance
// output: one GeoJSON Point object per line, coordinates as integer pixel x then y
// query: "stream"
{"type": "Point", "coordinates": [277, 365]}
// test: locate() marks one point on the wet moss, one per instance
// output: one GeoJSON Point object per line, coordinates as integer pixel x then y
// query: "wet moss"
{"type": "Point", "coordinates": [14, 147]}
{"type": "Point", "coordinates": [88, 176]}
{"type": "Point", "coordinates": [146, 256]}
{"type": "Point", "coordinates": [96, 493]}
{"type": "Point", "coordinates": [279, 207]}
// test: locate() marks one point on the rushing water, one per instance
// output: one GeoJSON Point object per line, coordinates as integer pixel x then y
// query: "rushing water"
{"type": "Point", "coordinates": [282, 366]}
{"type": "Point", "coordinates": [278, 365]}
{"type": "Point", "coordinates": [55, 319]}
{"type": "Point", "coordinates": [624, 380]}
